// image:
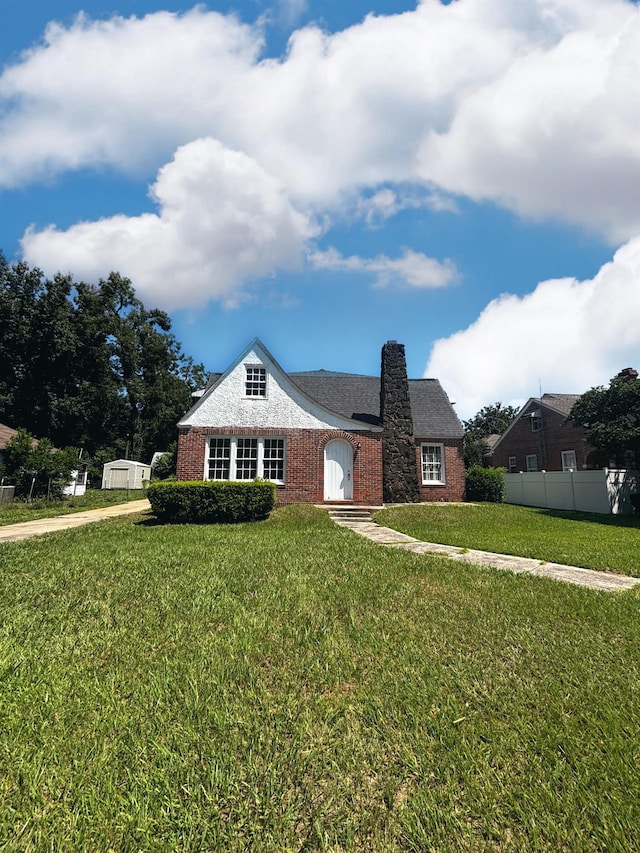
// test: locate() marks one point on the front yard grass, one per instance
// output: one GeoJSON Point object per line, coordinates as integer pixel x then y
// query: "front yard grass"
{"type": "Point", "coordinates": [606, 542]}
{"type": "Point", "coordinates": [289, 686]}
{"type": "Point", "coordinates": [18, 511]}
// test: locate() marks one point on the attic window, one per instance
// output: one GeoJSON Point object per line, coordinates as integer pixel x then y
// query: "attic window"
{"type": "Point", "coordinates": [536, 423]}
{"type": "Point", "coordinates": [255, 381]}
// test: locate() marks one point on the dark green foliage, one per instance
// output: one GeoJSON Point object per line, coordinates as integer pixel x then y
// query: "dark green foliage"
{"type": "Point", "coordinates": [635, 502]}
{"type": "Point", "coordinates": [187, 501]}
{"type": "Point", "coordinates": [476, 452]}
{"type": "Point", "coordinates": [165, 467]}
{"type": "Point", "coordinates": [491, 420]}
{"type": "Point", "coordinates": [610, 416]}
{"type": "Point", "coordinates": [485, 484]}
{"type": "Point", "coordinates": [37, 469]}
{"type": "Point", "coordinates": [88, 364]}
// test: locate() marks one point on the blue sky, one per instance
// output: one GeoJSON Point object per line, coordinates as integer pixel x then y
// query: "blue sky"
{"type": "Point", "coordinates": [463, 178]}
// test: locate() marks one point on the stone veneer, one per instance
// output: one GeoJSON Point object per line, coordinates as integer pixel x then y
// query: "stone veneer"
{"type": "Point", "coordinates": [400, 477]}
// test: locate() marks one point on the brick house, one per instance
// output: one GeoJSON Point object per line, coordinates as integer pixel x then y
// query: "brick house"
{"type": "Point", "coordinates": [541, 439]}
{"type": "Point", "coordinates": [325, 436]}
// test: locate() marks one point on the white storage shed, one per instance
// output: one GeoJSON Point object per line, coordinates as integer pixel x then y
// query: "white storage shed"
{"type": "Point", "coordinates": [125, 474]}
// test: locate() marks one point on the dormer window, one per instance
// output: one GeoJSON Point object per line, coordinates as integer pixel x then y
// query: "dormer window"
{"type": "Point", "coordinates": [256, 381]}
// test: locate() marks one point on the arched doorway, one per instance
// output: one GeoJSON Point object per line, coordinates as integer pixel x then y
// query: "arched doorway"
{"type": "Point", "coordinates": [338, 471]}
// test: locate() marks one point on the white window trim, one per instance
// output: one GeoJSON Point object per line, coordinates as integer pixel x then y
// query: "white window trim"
{"type": "Point", "coordinates": [266, 382]}
{"type": "Point", "coordinates": [513, 464]}
{"type": "Point", "coordinates": [536, 424]}
{"type": "Point", "coordinates": [443, 479]}
{"type": "Point", "coordinates": [566, 467]}
{"type": "Point", "coordinates": [533, 456]}
{"type": "Point", "coordinates": [233, 450]}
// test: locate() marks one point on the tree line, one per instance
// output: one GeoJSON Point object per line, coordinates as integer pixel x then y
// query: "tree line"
{"type": "Point", "coordinates": [87, 365]}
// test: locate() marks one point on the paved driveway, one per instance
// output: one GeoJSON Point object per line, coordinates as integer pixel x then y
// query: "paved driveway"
{"type": "Point", "coordinates": [27, 529]}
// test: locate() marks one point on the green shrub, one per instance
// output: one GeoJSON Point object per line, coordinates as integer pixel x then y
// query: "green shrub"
{"type": "Point", "coordinates": [188, 501]}
{"type": "Point", "coordinates": [485, 484]}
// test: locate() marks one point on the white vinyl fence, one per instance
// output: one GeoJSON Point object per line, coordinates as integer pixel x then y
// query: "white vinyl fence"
{"type": "Point", "coordinates": [605, 491]}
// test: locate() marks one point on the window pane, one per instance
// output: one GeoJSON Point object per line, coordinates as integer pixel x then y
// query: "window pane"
{"type": "Point", "coordinates": [247, 459]}
{"type": "Point", "coordinates": [219, 458]}
{"type": "Point", "coordinates": [273, 460]}
{"type": "Point", "coordinates": [256, 382]}
{"type": "Point", "coordinates": [431, 463]}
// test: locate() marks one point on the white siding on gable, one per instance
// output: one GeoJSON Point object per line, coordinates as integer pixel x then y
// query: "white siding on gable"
{"type": "Point", "coordinates": [284, 407]}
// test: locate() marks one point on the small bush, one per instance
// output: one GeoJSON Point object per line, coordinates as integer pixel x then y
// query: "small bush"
{"type": "Point", "coordinates": [485, 484]}
{"type": "Point", "coordinates": [186, 501]}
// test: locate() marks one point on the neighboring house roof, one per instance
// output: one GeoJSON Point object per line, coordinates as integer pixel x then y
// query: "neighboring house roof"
{"type": "Point", "coordinates": [6, 434]}
{"type": "Point", "coordinates": [561, 403]}
{"type": "Point", "coordinates": [492, 440]}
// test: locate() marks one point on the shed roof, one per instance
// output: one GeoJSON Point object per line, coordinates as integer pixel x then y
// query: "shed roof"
{"type": "Point", "coordinates": [6, 434]}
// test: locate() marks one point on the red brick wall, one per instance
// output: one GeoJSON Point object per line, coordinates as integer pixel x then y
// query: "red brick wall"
{"type": "Point", "coordinates": [556, 435]}
{"type": "Point", "coordinates": [304, 462]}
{"type": "Point", "coordinates": [454, 487]}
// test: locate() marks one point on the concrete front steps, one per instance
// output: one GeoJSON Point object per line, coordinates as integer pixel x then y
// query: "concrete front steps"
{"type": "Point", "coordinates": [349, 515]}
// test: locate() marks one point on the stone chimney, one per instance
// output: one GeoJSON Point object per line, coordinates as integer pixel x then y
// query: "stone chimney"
{"type": "Point", "coordinates": [399, 461]}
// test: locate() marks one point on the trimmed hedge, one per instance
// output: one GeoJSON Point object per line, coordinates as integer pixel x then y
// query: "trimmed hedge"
{"type": "Point", "coordinates": [219, 501]}
{"type": "Point", "coordinates": [485, 484]}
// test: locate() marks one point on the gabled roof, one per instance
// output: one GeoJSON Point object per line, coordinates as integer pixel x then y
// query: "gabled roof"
{"type": "Point", "coordinates": [358, 397]}
{"type": "Point", "coordinates": [561, 403]}
{"type": "Point", "coordinates": [322, 409]}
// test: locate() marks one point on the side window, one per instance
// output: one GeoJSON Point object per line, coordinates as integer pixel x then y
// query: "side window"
{"type": "Point", "coordinates": [513, 465]}
{"type": "Point", "coordinates": [569, 460]}
{"type": "Point", "coordinates": [532, 462]}
{"type": "Point", "coordinates": [432, 463]}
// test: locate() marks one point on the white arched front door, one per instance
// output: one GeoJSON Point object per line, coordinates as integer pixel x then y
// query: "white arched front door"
{"type": "Point", "coordinates": [338, 471]}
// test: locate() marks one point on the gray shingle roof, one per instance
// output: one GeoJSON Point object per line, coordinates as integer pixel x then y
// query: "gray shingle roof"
{"type": "Point", "coordinates": [358, 397]}
{"type": "Point", "coordinates": [562, 402]}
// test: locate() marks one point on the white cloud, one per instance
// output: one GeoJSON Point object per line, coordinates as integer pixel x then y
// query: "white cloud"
{"type": "Point", "coordinates": [290, 11]}
{"type": "Point", "coordinates": [124, 92]}
{"type": "Point", "coordinates": [222, 222]}
{"type": "Point", "coordinates": [530, 104]}
{"type": "Point", "coordinates": [566, 336]}
{"type": "Point", "coordinates": [385, 203]}
{"type": "Point", "coordinates": [412, 269]}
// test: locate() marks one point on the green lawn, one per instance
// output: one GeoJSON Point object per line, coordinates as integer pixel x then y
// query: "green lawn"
{"type": "Point", "coordinates": [93, 499]}
{"type": "Point", "coordinates": [289, 686]}
{"type": "Point", "coordinates": [609, 542]}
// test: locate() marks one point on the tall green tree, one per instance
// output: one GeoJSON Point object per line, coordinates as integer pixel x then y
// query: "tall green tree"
{"type": "Point", "coordinates": [490, 420]}
{"type": "Point", "coordinates": [88, 364]}
{"type": "Point", "coordinates": [610, 417]}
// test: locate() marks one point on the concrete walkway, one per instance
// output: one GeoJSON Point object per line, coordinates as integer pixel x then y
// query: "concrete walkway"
{"type": "Point", "coordinates": [27, 529]}
{"type": "Point", "coordinates": [362, 525]}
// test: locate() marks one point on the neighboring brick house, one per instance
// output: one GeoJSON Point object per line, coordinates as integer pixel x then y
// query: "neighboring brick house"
{"type": "Point", "coordinates": [541, 439]}
{"type": "Point", "coordinates": [325, 436]}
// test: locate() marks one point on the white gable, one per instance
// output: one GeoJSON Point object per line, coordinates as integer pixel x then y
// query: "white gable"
{"type": "Point", "coordinates": [225, 404]}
